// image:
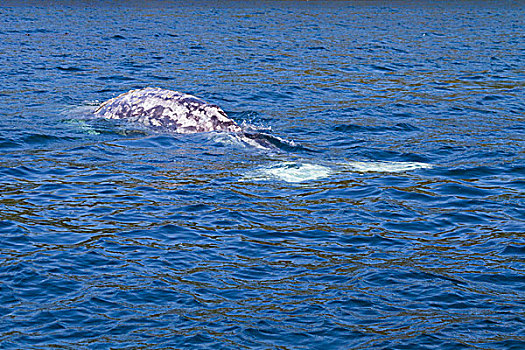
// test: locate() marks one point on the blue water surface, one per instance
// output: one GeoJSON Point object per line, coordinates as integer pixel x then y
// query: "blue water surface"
{"type": "Point", "coordinates": [391, 214]}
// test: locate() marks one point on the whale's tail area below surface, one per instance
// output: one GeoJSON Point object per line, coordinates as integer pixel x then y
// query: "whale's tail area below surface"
{"type": "Point", "coordinates": [385, 166]}
{"type": "Point", "coordinates": [296, 172]}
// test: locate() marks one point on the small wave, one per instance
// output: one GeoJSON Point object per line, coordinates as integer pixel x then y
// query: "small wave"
{"type": "Point", "coordinates": [317, 48]}
{"type": "Point", "coordinates": [70, 69]}
{"type": "Point", "coordinates": [356, 128]}
{"type": "Point", "coordinates": [6, 144]}
{"type": "Point", "coordinates": [289, 172]}
{"type": "Point", "coordinates": [116, 37]}
{"type": "Point", "coordinates": [117, 78]}
{"type": "Point", "coordinates": [378, 68]}
{"type": "Point", "coordinates": [386, 166]}
{"type": "Point", "coordinates": [42, 139]}
{"type": "Point", "coordinates": [197, 47]}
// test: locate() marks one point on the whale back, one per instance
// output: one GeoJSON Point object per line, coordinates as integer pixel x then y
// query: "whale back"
{"type": "Point", "coordinates": [167, 110]}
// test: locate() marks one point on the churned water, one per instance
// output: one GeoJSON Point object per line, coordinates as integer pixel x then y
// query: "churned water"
{"type": "Point", "coordinates": [390, 215]}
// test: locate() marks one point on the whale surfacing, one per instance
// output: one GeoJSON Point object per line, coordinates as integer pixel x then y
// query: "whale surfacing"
{"type": "Point", "coordinates": [167, 110]}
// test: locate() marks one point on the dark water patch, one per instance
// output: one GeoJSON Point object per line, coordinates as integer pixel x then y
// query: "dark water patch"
{"type": "Point", "coordinates": [449, 150]}
{"type": "Point", "coordinates": [507, 279]}
{"type": "Point", "coordinates": [379, 154]}
{"type": "Point", "coordinates": [116, 78]}
{"type": "Point", "coordinates": [516, 251]}
{"type": "Point", "coordinates": [197, 47]}
{"type": "Point", "coordinates": [356, 128]}
{"type": "Point", "coordinates": [116, 37]}
{"type": "Point", "coordinates": [470, 172]}
{"type": "Point", "coordinates": [493, 97]}
{"type": "Point", "coordinates": [161, 78]}
{"type": "Point", "coordinates": [20, 172]}
{"type": "Point", "coordinates": [106, 90]}
{"type": "Point", "coordinates": [31, 31]}
{"type": "Point", "coordinates": [464, 190]}
{"type": "Point", "coordinates": [317, 48]}
{"type": "Point", "coordinates": [137, 65]}
{"type": "Point", "coordinates": [514, 344]}
{"type": "Point", "coordinates": [41, 139]}
{"type": "Point", "coordinates": [71, 69]}
{"type": "Point", "coordinates": [379, 68]}
{"type": "Point", "coordinates": [10, 144]}
{"type": "Point", "coordinates": [270, 96]}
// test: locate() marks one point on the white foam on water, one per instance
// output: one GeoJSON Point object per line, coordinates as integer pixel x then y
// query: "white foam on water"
{"type": "Point", "coordinates": [224, 138]}
{"type": "Point", "coordinates": [82, 126]}
{"type": "Point", "coordinates": [76, 116]}
{"type": "Point", "coordinates": [386, 166]}
{"type": "Point", "coordinates": [255, 128]}
{"type": "Point", "coordinates": [232, 140]}
{"type": "Point", "coordinates": [289, 172]}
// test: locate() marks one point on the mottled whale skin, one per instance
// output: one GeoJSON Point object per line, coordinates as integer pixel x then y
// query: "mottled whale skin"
{"type": "Point", "coordinates": [167, 110]}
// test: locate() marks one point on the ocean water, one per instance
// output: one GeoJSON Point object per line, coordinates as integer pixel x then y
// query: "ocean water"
{"type": "Point", "coordinates": [390, 215]}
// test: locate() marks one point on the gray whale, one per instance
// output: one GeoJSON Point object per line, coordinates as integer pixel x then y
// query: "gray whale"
{"type": "Point", "coordinates": [175, 112]}
{"type": "Point", "coordinates": [167, 110]}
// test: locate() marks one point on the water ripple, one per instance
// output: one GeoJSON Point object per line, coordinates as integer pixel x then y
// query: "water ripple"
{"type": "Point", "coordinates": [389, 215]}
